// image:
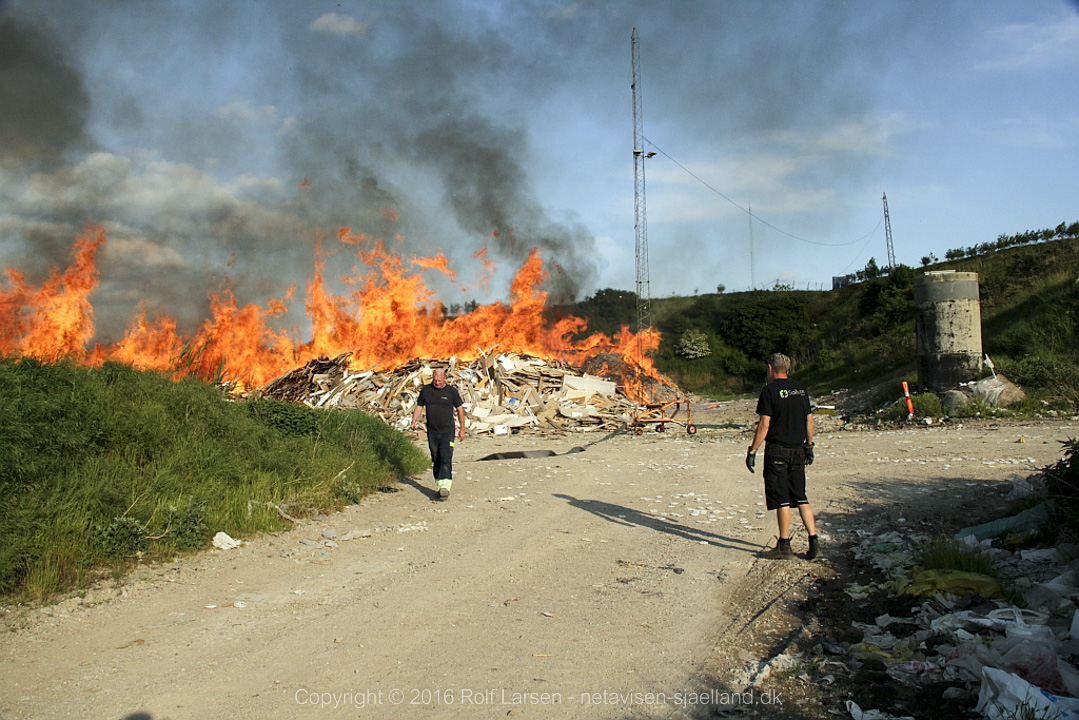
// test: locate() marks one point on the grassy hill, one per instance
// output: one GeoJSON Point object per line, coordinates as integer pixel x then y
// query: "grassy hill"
{"type": "Point", "coordinates": [103, 466]}
{"type": "Point", "coordinates": [862, 336]}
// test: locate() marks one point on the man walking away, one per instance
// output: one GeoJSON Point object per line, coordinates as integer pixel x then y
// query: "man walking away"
{"type": "Point", "coordinates": [786, 430]}
{"type": "Point", "coordinates": [440, 401]}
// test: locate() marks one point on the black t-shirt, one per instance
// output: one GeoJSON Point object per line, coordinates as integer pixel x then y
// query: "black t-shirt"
{"type": "Point", "coordinates": [786, 402]}
{"type": "Point", "coordinates": [440, 404]}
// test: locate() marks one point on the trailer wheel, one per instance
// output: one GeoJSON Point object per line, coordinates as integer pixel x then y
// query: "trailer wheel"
{"type": "Point", "coordinates": [691, 429]}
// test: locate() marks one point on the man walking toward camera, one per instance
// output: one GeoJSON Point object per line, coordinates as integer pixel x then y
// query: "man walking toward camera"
{"type": "Point", "coordinates": [785, 429]}
{"type": "Point", "coordinates": [441, 400]}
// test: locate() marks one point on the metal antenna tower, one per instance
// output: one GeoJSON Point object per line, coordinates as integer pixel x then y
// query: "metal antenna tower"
{"type": "Point", "coordinates": [640, 222]}
{"type": "Point", "coordinates": [752, 265]}
{"type": "Point", "coordinates": [888, 234]}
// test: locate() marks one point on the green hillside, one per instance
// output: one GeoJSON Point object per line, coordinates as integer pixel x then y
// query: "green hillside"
{"type": "Point", "coordinates": [102, 466]}
{"type": "Point", "coordinates": [862, 336]}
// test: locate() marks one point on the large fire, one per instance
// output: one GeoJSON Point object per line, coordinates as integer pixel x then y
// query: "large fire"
{"type": "Point", "coordinates": [389, 317]}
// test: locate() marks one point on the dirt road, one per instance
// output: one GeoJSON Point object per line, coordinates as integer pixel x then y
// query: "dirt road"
{"type": "Point", "coordinates": [615, 582]}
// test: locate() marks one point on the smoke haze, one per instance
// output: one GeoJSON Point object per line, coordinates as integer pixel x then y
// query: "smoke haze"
{"type": "Point", "coordinates": [215, 139]}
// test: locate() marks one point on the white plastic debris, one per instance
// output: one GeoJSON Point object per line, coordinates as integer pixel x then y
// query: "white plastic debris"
{"type": "Point", "coordinates": [224, 542]}
{"type": "Point", "coordinates": [1004, 696]}
{"type": "Point", "coordinates": [858, 714]}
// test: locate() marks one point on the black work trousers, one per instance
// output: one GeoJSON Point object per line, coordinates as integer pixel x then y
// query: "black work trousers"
{"type": "Point", "coordinates": [441, 444]}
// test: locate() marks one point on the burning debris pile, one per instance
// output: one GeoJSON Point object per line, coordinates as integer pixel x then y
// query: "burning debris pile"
{"type": "Point", "coordinates": [389, 316]}
{"type": "Point", "coordinates": [502, 393]}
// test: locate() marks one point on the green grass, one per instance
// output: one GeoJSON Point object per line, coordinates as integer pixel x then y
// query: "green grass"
{"type": "Point", "coordinates": [944, 553]}
{"type": "Point", "coordinates": [100, 466]}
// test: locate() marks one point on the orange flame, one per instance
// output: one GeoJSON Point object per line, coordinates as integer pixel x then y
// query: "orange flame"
{"type": "Point", "coordinates": [389, 317]}
{"type": "Point", "coordinates": [56, 320]}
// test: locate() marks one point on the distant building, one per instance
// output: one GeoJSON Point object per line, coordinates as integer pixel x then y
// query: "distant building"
{"type": "Point", "coordinates": [840, 281]}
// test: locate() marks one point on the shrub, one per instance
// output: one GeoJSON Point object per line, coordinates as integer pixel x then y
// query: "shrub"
{"type": "Point", "coordinates": [927, 405]}
{"type": "Point", "coordinates": [694, 345]}
{"type": "Point", "coordinates": [285, 417]}
{"type": "Point", "coordinates": [185, 523]}
{"type": "Point", "coordinates": [1062, 480]}
{"type": "Point", "coordinates": [121, 537]}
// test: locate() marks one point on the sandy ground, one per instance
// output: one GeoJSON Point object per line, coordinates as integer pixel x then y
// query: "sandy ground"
{"type": "Point", "coordinates": [627, 580]}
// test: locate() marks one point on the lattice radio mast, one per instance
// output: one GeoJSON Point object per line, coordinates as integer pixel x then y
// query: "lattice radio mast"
{"type": "Point", "coordinates": [888, 234]}
{"type": "Point", "coordinates": [640, 222]}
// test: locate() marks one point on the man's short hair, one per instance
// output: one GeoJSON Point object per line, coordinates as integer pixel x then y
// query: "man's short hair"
{"type": "Point", "coordinates": [780, 362]}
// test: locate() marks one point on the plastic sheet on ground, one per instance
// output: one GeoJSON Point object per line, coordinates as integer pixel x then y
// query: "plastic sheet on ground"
{"type": "Point", "coordinates": [1035, 662]}
{"type": "Point", "coordinates": [223, 541]}
{"type": "Point", "coordinates": [1005, 696]}
{"type": "Point", "coordinates": [1027, 521]}
{"type": "Point", "coordinates": [1048, 594]}
{"type": "Point", "coordinates": [957, 582]}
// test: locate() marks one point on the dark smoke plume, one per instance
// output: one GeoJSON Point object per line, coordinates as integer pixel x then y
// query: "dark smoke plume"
{"type": "Point", "coordinates": [43, 102]}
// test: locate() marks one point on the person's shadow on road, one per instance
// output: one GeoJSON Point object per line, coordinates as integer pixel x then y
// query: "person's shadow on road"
{"type": "Point", "coordinates": [628, 516]}
{"type": "Point", "coordinates": [431, 493]}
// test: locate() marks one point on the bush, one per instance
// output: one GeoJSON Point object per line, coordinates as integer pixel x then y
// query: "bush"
{"type": "Point", "coordinates": [927, 405]}
{"type": "Point", "coordinates": [285, 417]}
{"type": "Point", "coordinates": [185, 523]}
{"type": "Point", "coordinates": [1062, 483]}
{"type": "Point", "coordinates": [121, 537]}
{"type": "Point", "coordinates": [1056, 374]}
{"type": "Point", "coordinates": [694, 345]}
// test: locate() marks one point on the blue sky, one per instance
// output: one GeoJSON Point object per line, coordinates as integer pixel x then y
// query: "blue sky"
{"type": "Point", "coordinates": [186, 129]}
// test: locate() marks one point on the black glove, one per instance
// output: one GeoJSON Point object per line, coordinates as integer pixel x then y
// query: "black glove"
{"type": "Point", "coordinates": [751, 460]}
{"type": "Point", "coordinates": [809, 454]}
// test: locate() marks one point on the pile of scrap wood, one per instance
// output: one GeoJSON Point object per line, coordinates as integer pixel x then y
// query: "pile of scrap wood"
{"type": "Point", "coordinates": [501, 393]}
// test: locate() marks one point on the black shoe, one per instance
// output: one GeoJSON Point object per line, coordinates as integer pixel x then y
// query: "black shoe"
{"type": "Point", "coordinates": [814, 548]}
{"type": "Point", "coordinates": [783, 550]}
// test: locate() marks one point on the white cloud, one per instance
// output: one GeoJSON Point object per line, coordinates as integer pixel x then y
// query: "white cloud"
{"type": "Point", "coordinates": [339, 25]}
{"type": "Point", "coordinates": [1033, 132]}
{"type": "Point", "coordinates": [773, 175]}
{"type": "Point", "coordinates": [868, 135]}
{"type": "Point", "coordinates": [1032, 46]}
{"type": "Point", "coordinates": [244, 113]}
